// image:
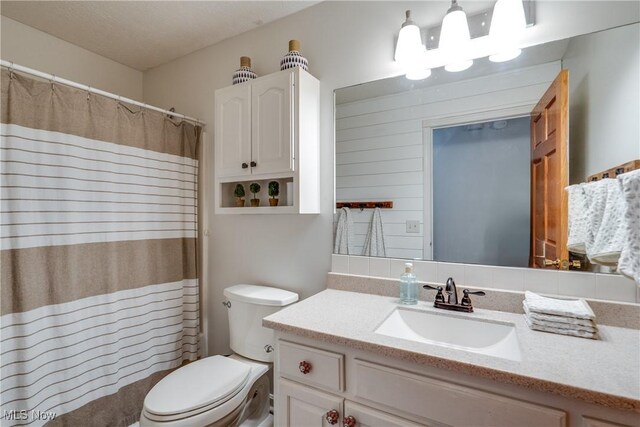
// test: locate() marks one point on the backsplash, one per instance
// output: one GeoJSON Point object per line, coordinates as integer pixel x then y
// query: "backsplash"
{"type": "Point", "coordinates": [550, 282]}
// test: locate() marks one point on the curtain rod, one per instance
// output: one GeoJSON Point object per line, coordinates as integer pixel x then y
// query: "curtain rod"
{"type": "Point", "coordinates": [56, 79]}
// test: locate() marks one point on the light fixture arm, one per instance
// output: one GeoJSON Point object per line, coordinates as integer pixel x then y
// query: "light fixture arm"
{"type": "Point", "coordinates": [408, 20]}
{"type": "Point", "coordinates": [454, 6]}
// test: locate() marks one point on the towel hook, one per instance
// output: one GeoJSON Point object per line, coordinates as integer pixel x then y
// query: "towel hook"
{"type": "Point", "coordinates": [361, 206]}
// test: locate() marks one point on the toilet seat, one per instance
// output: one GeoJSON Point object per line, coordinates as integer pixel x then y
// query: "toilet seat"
{"type": "Point", "coordinates": [196, 388]}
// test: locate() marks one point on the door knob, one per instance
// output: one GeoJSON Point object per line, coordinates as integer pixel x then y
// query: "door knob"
{"type": "Point", "coordinates": [244, 166]}
{"type": "Point", "coordinates": [332, 417]}
{"type": "Point", "coordinates": [349, 421]}
{"type": "Point", "coordinates": [563, 264]}
{"type": "Point", "coordinates": [254, 164]}
{"type": "Point", "coordinates": [304, 367]}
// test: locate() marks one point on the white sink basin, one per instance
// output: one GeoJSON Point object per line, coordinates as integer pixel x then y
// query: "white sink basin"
{"type": "Point", "coordinates": [497, 339]}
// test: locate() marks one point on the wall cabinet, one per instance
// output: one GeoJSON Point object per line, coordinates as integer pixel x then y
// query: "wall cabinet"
{"type": "Point", "coordinates": [268, 129]}
{"type": "Point", "coordinates": [321, 384]}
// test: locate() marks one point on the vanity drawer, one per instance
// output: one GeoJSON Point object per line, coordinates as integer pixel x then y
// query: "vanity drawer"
{"type": "Point", "coordinates": [432, 399]}
{"type": "Point", "coordinates": [311, 366]}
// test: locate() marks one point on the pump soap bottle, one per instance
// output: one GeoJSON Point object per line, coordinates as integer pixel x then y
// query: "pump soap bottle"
{"type": "Point", "coordinates": [408, 286]}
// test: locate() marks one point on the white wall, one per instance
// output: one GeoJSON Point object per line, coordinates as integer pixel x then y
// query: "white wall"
{"type": "Point", "coordinates": [604, 86]}
{"type": "Point", "coordinates": [346, 43]}
{"type": "Point", "coordinates": [481, 194]}
{"type": "Point", "coordinates": [33, 48]}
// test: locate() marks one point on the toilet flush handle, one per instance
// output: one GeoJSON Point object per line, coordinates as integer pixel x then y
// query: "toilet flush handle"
{"type": "Point", "coordinates": [226, 304]}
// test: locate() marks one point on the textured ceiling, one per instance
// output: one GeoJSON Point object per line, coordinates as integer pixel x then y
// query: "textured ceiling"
{"type": "Point", "coordinates": [144, 34]}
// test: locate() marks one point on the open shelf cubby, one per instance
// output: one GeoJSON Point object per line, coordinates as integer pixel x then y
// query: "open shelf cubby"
{"type": "Point", "coordinates": [228, 199]}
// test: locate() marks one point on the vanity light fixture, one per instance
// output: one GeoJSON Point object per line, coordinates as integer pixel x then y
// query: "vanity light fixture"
{"type": "Point", "coordinates": [410, 52]}
{"type": "Point", "coordinates": [455, 39]}
{"type": "Point", "coordinates": [507, 25]}
{"type": "Point", "coordinates": [409, 44]}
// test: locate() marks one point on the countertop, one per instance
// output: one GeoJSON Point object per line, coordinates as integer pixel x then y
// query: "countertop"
{"type": "Point", "coordinates": [605, 371]}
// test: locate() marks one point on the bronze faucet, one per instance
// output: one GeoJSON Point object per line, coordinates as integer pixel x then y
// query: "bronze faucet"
{"type": "Point", "coordinates": [452, 297]}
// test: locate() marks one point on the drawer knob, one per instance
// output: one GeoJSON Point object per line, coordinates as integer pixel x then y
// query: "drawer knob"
{"type": "Point", "coordinates": [305, 367]}
{"type": "Point", "coordinates": [349, 421]}
{"type": "Point", "coordinates": [332, 417]}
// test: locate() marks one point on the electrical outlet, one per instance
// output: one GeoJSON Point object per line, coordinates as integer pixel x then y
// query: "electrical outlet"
{"type": "Point", "coordinates": [413, 226]}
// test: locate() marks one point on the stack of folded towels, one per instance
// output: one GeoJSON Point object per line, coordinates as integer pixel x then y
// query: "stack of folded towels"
{"type": "Point", "coordinates": [566, 317]}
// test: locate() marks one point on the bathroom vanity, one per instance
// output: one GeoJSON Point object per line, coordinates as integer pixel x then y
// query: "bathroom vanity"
{"type": "Point", "coordinates": [345, 358]}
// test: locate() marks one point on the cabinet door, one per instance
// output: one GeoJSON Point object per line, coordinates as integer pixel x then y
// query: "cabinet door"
{"type": "Point", "coordinates": [233, 131]}
{"type": "Point", "coordinates": [369, 417]}
{"type": "Point", "coordinates": [272, 124]}
{"type": "Point", "coordinates": [300, 406]}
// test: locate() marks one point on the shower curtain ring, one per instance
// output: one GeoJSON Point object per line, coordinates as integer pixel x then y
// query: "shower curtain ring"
{"type": "Point", "coordinates": [11, 70]}
{"type": "Point", "coordinates": [88, 92]}
{"type": "Point", "coordinates": [53, 81]}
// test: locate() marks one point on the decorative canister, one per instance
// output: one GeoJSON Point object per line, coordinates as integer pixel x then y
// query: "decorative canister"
{"type": "Point", "coordinates": [244, 73]}
{"type": "Point", "coordinates": [293, 58]}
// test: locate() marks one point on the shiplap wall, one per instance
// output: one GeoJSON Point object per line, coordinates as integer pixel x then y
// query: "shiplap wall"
{"type": "Point", "coordinates": [379, 145]}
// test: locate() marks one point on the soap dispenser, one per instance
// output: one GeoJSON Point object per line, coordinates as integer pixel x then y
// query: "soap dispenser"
{"type": "Point", "coordinates": [408, 286]}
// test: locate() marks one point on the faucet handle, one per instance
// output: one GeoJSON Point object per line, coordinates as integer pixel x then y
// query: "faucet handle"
{"type": "Point", "coordinates": [466, 301]}
{"type": "Point", "coordinates": [439, 295]}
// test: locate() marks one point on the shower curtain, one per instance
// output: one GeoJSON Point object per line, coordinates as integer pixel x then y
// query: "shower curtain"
{"type": "Point", "coordinates": [98, 254]}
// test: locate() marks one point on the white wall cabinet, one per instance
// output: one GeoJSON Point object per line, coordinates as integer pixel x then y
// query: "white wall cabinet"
{"type": "Point", "coordinates": [268, 129]}
{"type": "Point", "coordinates": [321, 384]}
{"type": "Point", "coordinates": [272, 122]}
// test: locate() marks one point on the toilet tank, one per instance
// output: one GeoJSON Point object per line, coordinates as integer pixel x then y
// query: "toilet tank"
{"type": "Point", "coordinates": [247, 306]}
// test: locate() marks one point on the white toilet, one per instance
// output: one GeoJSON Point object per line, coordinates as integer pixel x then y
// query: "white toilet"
{"type": "Point", "coordinates": [219, 390]}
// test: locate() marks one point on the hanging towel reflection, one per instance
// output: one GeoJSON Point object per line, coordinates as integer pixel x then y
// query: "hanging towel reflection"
{"type": "Point", "coordinates": [374, 244]}
{"type": "Point", "coordinates": [344, 240]}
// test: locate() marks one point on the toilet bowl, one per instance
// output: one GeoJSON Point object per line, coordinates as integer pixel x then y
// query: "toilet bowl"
{"type": "Point", "coordinates": [219, 390]}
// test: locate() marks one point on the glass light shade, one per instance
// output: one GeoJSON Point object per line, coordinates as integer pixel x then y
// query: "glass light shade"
{"type": "Point", "coordinates": [455, 40]}
{"type": "Point", "coordinates": [454, 67]}
{"type": "Point", "coordinates": [418, 73]}
{"type": "Point", "coordinates": [417, 69]}
{"type": "Point", "coordinates": [506, 55]}
{"type": "Point", "coordinates": [507, 25]}
{"type": "Point", "coordinates": [409, 44]}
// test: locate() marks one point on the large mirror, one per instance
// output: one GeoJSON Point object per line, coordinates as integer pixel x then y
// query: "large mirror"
{"type": "Point", "coordinates": [465, 158]}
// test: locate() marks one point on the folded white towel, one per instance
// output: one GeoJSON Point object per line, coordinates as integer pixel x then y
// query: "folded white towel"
{"type": "Point", "coordinates": [610, 235]}
{"type": "Point", "coordinates": [568, 321]}
{"type": "Point", "coordinates": [535, 320]}
{"type": "Point", "coordinates": [629, 263]}
{"type": "Point", "coordinates": [559, 307]}
{"type": "Point", "coordinates": [344, 240]}
{"type": "Point", "coordinates": [578, 220]}
{"type": "Point", "coordinates": [581, 334]}
{"type": "Point", "coordinates": [374, 244]}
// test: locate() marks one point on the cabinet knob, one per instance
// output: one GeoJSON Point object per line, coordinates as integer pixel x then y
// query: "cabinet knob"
{"type": "Point", "coordinates": [244, 166]}
{"type": "Point", "coordinates": [349, 421]}
{"type": "Point", "coordinates": [305, 367]}
{"type": "Point", "coordinates": [254, 164]}
{"type": "Point", "coordinates": [332, 417]}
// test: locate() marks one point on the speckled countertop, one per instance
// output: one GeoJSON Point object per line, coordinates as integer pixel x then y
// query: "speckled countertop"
{"type": "Point", "coordinates": [605, 371]}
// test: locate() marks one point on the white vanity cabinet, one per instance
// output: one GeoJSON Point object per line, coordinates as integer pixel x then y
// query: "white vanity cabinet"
{"type": "Point", "coordinates": [268, 129]}
{"type": "Point", "coordinates": [321, 384]}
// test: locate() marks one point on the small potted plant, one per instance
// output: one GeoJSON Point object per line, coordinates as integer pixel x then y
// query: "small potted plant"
{"type": "Point", "coordinates": [255, 189]}
{"type": "Point", "coordinates": [274, 191]}
{"type": "Point", "coordinates": [239, 193]}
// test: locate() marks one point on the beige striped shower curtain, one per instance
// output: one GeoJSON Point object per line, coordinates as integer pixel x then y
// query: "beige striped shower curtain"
{"type": "Point", "coordinates": [98, 254]}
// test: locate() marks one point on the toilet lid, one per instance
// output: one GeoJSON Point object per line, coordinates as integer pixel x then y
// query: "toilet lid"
{"type": "Point", "coordinates": [202, 383]}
